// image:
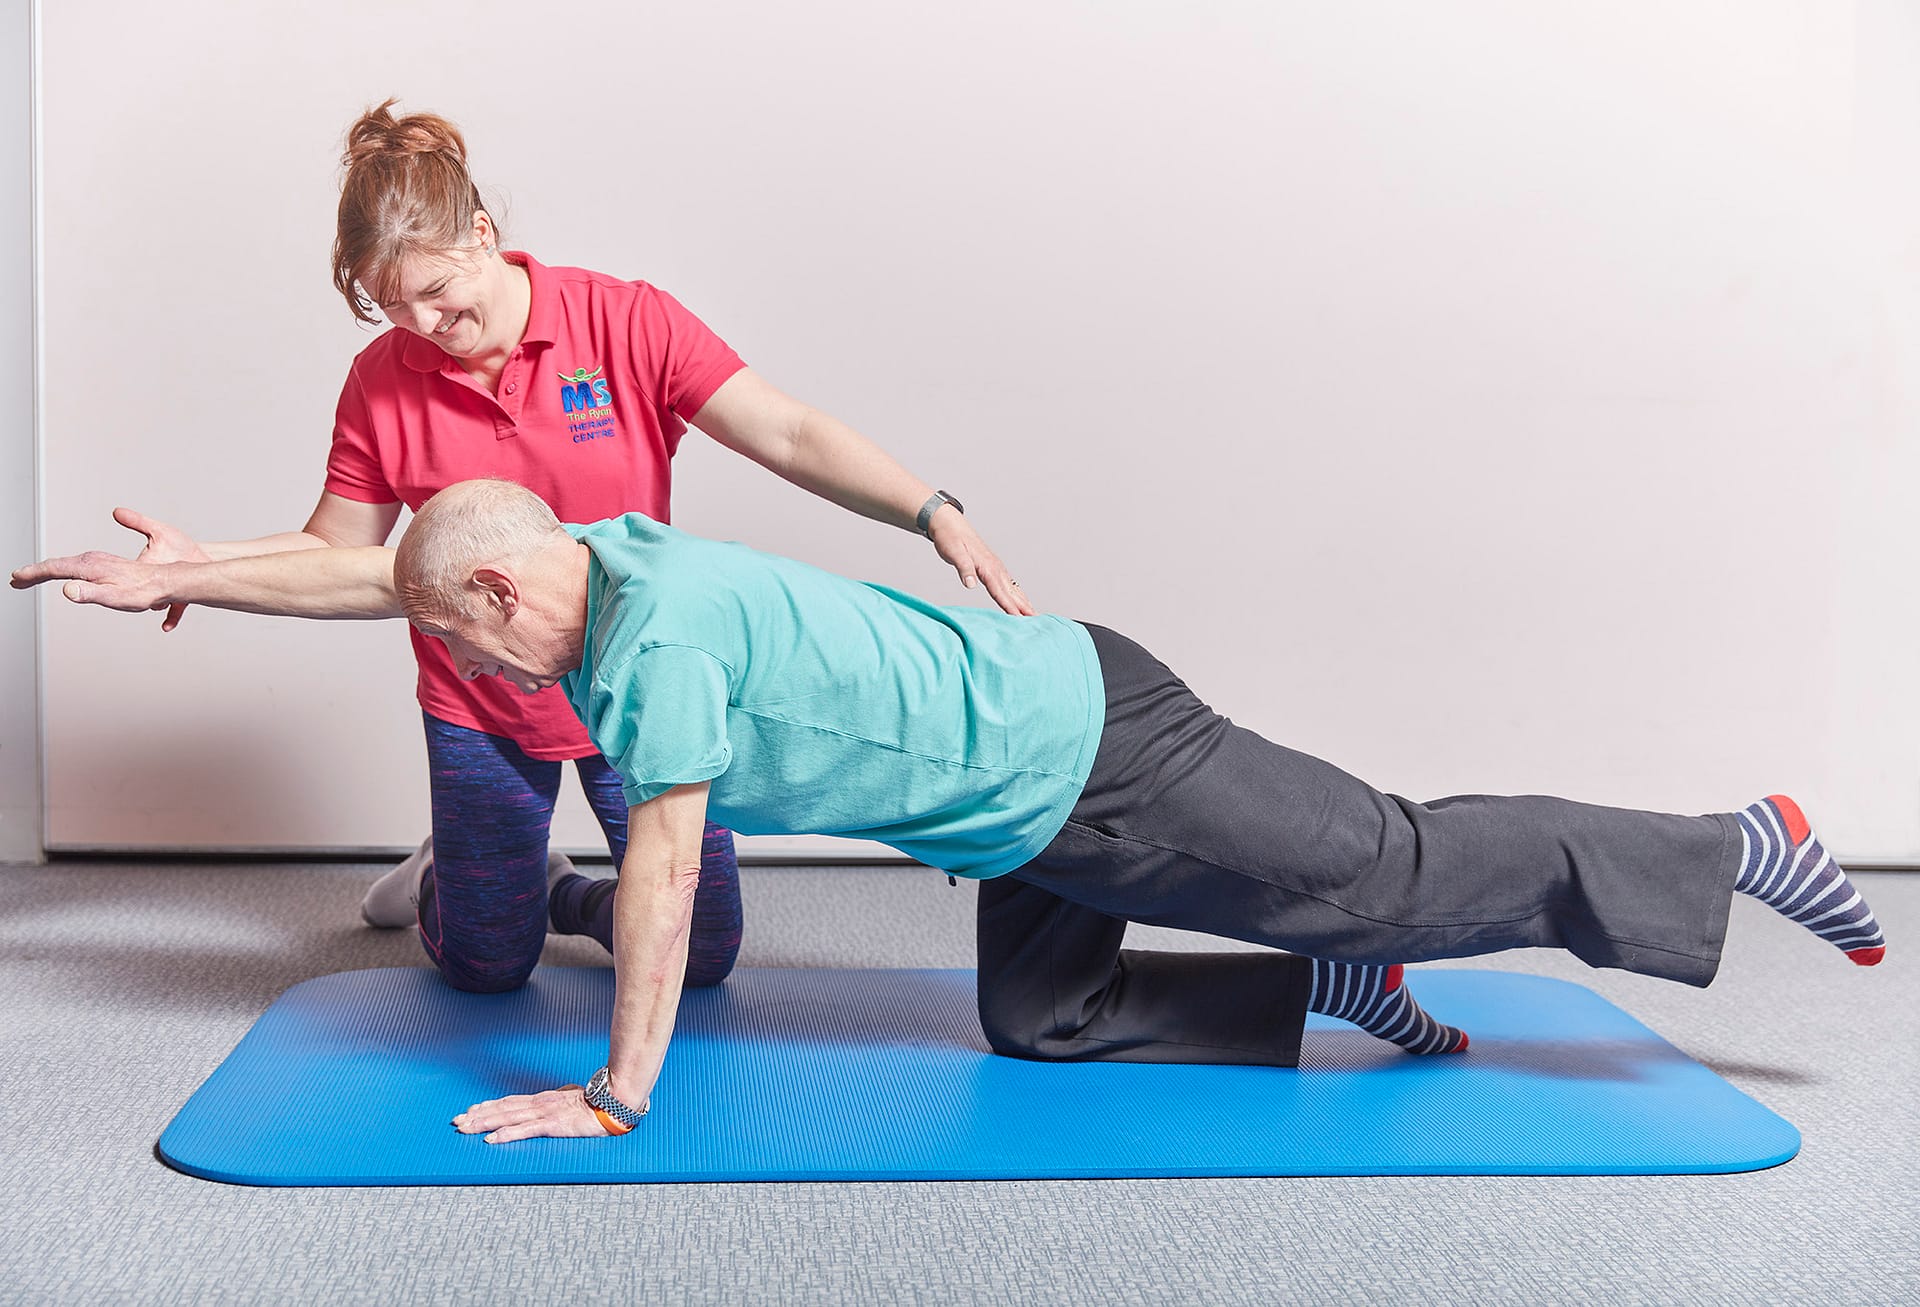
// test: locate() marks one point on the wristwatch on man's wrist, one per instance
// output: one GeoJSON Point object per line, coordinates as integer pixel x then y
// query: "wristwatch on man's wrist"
{"type": "Point", "coordinates": [609, 1109]}
{"type": "Point", "coordinates": [932, 506]}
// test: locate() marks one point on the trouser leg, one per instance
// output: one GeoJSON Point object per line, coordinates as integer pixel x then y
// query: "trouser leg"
{"type": "Point", "coordinates": [1054, 983]}
{"type": "Point", "coordinates": [717, 914]}
{"type": "Point", "coordinates": [483, 902]}
{"type": "Point", "coordinates": [1191, 821]}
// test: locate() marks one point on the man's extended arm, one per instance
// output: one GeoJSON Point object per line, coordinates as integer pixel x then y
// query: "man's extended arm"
{"type": "Point", "coordinates": [321, 583]}
{"type": "Point", "coordinates": [652, 921]}
{"type": "Point", "coordinates": [313, 589]}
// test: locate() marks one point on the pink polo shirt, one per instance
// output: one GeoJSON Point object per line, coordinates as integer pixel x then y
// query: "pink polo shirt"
{"type": "Point", "coordinates": [590, 409]}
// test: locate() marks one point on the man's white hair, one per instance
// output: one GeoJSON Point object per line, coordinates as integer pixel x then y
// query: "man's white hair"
{"type": "Point", "coordinates": [467, 526]}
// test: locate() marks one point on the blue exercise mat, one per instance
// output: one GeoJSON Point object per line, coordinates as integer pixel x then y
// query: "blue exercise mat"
{"type": "Point", "coordinates": [351, 1079]}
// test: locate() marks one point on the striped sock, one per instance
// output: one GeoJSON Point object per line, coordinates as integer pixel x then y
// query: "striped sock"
{"type": "Point", "coordinates": [1374, 999]}
{"type": "Point", "coordinates": [1784, 866]}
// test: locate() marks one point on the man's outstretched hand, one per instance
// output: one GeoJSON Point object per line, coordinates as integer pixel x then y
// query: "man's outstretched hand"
{"type": "Point", "coordinates": [100, 578]}
{"type": "Point", "coordinates": [558, 1113]}
{"type": "Point", "coordinates": [106, 579]}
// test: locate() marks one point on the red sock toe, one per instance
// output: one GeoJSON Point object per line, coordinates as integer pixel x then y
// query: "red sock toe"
{"type": "Point", "coordinates": [1460, 1047]}
{"type": "Point", "coordinates": [1867, 957]}
{"type": "Point", "coordinates": [1796, 820]}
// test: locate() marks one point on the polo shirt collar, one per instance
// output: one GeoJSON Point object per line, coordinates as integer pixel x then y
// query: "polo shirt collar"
{"type": "Point", "coordinates": [543, 317]}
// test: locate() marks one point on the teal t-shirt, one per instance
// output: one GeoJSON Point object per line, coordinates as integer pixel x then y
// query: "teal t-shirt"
{"type": "Point", "coordinates": [818, 705]}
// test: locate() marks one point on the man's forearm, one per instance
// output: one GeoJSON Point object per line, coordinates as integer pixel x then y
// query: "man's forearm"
{"type": "Point", "coordinates": [298, 582]}
{"type": "Point", "coordinates": [652, 923]}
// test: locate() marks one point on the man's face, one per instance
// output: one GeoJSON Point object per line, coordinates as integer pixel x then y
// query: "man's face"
{"type": "Point", "coordinates": [494, 644]}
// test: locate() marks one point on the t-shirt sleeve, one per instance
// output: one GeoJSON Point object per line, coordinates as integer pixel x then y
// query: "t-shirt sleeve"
{"type": "Point", "coordinates": [682, 361]}
{"type": "Point", "coordinates": [660, 719]}
{"type": "Point", "coordinates": [353, 464]}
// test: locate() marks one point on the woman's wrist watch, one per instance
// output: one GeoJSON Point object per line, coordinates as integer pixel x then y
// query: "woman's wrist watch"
{"type": "Point", "coordinates": [932, 506]}
{"type": "Point", "coordinates": [615, 1115]}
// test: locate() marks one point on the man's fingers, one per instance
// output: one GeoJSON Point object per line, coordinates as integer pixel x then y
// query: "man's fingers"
{"type": "Point", "coordinates": [513, 1110]}
{"type": "Point", "coordinates": [559, 1124]}
{"type": "Point", "coordinates": [90, 566]}
{"type": "Point", "coordinates": [507, 1134]}
{"type": "Point", "coordinates": [174, 614]}
{"type": "Point", "coordinates": [47, 569]}
{"type": "Point", "coordinates": [557, 1112]}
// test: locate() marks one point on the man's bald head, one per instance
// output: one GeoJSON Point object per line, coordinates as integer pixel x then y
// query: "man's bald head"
{"type": "Point", "coordinates": [468, 526]}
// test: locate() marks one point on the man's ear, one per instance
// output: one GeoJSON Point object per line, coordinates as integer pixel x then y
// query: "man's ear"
{"type": "Point", "coordinates": [503, 593]}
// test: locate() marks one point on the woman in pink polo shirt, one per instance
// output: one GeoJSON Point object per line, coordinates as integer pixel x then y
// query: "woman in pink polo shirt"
{"type": "Point", "coordinates": [580, 387]}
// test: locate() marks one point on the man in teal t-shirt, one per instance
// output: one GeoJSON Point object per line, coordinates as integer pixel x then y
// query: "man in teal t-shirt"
{"type": "Point", "coordinates": [1059, 764]}
{"type": "Point", "coordinates": [778, 683]}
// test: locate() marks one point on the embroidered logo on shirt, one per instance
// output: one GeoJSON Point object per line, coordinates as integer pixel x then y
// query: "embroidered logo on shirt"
{"type": "Point", "coordinates": [585, 394]}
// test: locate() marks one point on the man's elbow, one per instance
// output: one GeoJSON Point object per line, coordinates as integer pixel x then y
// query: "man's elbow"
{"type": "Point", "coordinates": [672, 887]}
{"type": "Point", "coordinates": [683, 881]}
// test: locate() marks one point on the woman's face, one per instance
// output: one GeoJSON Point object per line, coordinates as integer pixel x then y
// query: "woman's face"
{"type": "Point", "coordinates": [458, 300]}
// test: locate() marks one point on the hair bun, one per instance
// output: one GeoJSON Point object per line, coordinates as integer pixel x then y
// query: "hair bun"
{"type": "Point", "coordinates": [377, 132]}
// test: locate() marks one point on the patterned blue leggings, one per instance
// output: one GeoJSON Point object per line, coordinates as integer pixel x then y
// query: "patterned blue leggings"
{"type": "Point", "coordinates": [483, 903]}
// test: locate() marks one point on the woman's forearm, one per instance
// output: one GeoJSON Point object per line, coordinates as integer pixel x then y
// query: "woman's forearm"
{"type": "Point", "coordinates": [285, 542]}
{"type": "Point", "coordinates": [831, 459]}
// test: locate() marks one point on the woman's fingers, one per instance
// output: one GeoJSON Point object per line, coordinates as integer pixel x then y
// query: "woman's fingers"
{"type": "Point", "coordinates": [961, 546]}
{"type": "Point", "coordinates": [134, 520]}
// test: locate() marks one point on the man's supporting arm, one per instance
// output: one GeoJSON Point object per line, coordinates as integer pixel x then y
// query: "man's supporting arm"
{"type": "Point", "coordinates": [652, 921]}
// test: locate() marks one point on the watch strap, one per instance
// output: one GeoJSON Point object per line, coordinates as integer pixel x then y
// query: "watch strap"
{"type": "Point", "coordinates": [932, 506]}
{"type": "Point", "coordinates": [610, 1109]}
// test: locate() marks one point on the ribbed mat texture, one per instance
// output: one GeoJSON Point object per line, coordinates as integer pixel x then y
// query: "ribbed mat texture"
{"type": "Point", "coordinates": [351, 1079]}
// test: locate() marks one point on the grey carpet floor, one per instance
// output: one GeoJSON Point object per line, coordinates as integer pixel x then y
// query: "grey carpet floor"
{"type": "Point", "coordinates": [123, 985]}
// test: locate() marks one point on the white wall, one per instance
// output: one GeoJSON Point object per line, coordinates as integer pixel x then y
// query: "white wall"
{"type": "Point", "coordinates": [1487, 397]}
{"type": "Point", "coordinates": [19, 536]}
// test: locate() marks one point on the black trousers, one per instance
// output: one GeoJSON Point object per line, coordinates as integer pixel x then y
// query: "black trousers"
{"type": "Point", "coordinates": [1190, 821]}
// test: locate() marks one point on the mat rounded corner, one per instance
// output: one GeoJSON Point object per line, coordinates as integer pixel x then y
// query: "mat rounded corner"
{"type": "Point", "coordinates": [176, 1159]}
{"type": "Point", "coordinates": [339, 980]}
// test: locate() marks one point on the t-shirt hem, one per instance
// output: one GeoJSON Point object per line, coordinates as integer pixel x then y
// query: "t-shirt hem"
{"type": "Point", "coordinates": [626, 791]}
{"type": "Point", "coordinates": [1031, 847]}
{"type": "Point", "coordinates": [360, 494]}
{"type": "Point", "coordinates": [695, 397]}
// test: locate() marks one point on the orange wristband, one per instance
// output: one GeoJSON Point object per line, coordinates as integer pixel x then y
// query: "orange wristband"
{"type": "Point", "coordinates": [613, 1126]}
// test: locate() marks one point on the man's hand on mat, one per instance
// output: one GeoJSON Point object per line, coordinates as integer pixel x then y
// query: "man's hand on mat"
{"type": "Point", "coordinates": [962, 547]}
{"type": "Point", "coordinates": [557, 1113]}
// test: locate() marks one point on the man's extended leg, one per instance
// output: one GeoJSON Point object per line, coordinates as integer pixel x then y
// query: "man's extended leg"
{"type": "Point", "coordinates": [1191, 821]}
{"type": "Point", "coordinates": [582, 905]}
